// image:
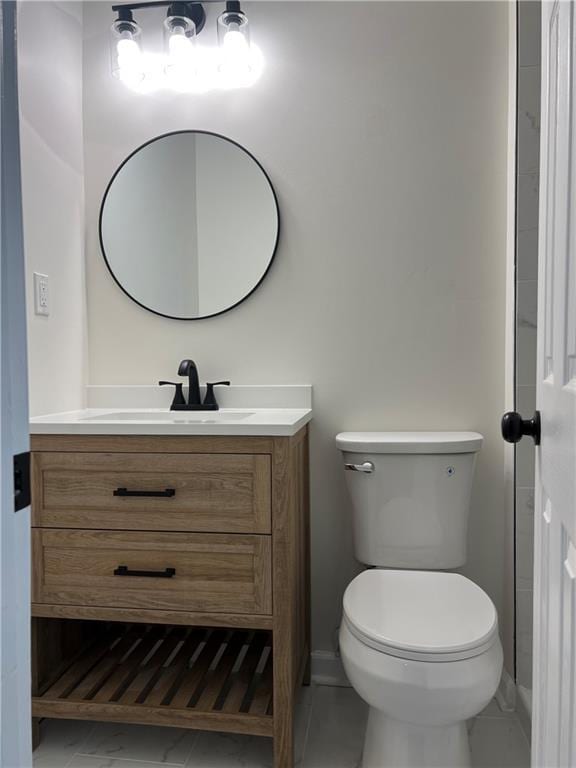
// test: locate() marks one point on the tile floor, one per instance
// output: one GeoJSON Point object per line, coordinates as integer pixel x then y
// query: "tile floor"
{"type": "Point", "coordinates": [329, 731]}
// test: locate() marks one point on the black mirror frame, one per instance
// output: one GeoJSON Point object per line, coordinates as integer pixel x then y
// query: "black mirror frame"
{"type": "Point", "coordinates": [274, 249]}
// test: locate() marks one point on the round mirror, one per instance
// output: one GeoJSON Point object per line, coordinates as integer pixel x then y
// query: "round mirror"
{"type": "Point", "coordinates": [189, 225]}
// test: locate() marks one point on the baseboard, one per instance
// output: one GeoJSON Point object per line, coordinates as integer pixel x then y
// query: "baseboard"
{"type": "Point", "coordinates": [524, 710]}
{"type": "Point", "coordinates": [506, 693]}
{"type": "Point", "coordinates": [327, 669]}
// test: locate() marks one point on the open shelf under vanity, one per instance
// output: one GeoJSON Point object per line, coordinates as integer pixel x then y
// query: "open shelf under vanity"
{"type": "Point", "coordinates": [196, 677]}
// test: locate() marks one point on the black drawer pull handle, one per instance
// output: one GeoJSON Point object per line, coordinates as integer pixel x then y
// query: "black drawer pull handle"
{"type": "Point", "coordinates": [167, 573]}
{"type": "Point", "coordinates": [168, 493]}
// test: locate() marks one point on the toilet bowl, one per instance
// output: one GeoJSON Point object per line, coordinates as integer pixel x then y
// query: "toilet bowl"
{"type": "Point", "coordinates": [422, 649]}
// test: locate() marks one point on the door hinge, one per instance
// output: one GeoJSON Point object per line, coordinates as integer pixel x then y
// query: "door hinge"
{"type": "Point", "coordinates": [21, 481]}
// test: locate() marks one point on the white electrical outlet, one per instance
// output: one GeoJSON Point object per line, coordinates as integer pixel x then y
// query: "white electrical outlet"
{"type": "Point", "coordinates": [41, 295]}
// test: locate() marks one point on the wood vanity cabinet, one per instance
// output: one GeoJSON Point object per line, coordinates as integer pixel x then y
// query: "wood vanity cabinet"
{"type": "Point", "coordinates": [170, 581]}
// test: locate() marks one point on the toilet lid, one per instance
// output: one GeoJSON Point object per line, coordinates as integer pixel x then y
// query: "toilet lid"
{"type": "Point", "coordinates": [437, 615]}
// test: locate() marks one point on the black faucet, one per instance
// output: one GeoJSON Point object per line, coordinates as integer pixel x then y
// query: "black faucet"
{"type": "Point", "coordinates": [188, 368]}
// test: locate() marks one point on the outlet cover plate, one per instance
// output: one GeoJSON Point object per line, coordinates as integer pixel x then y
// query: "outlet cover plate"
{"type": "Point", "coordinates": [41, 294]}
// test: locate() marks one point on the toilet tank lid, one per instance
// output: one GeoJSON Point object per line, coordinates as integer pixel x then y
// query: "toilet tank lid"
{"type": "Point", "coordinates": [409, 442]}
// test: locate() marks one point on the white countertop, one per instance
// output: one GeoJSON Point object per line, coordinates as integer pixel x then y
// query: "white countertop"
{"type": "Point", "coordinates": [278, 422]}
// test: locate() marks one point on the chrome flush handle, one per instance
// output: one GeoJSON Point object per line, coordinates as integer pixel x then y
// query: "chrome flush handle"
{"type": "Point", "coordinates": [366, 467]}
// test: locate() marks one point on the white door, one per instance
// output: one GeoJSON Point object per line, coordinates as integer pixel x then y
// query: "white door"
{"type": "Point", "coordinates": [554, 722]}
{"type": "Point", "coordinates": [15, 724]}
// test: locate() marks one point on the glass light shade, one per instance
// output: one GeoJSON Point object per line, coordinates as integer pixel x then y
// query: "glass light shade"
{"type": "Point", "coordinates": [125, 52]}
{"type": "Point", "coordinates": [234, 42]}
{"type": "Point", "coordinates": [180, 47]}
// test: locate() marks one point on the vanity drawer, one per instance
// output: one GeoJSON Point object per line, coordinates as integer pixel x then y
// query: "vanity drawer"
{"type": "Point", "coordinates": [153, 491]}
{"type": "Point", "coordinates": [171, 571]}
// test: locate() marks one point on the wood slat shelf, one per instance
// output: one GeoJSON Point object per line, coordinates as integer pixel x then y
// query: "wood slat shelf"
{"type": "Point", "coordinates": [204, 678]}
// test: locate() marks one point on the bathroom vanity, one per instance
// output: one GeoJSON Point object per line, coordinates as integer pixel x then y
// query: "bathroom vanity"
{"type": "Point", "coordinates": [171, 571]}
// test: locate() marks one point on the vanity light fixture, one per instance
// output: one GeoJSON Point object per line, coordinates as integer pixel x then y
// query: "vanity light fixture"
{"type": "Point", "coordinates": [185, 65]}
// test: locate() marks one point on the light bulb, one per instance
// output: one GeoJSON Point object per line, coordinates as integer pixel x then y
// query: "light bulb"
{"type": "Point", "coordinates": [179, 46]}
{"type": "Point", "coordinates": [129, 61]}
{"type": "Point", "coordinates": [128, 51]}
{"type": "Point", "coordinates": [235, 49]}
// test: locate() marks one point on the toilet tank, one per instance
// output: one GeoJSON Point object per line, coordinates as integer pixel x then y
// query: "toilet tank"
{"type": "Point", "coordinates": [410, 508]}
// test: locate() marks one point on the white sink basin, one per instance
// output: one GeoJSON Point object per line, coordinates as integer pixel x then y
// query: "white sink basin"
{"type": "Point", "coordinates": [252, 411]}
{"type": "Point", "coordinates": [172, 417]}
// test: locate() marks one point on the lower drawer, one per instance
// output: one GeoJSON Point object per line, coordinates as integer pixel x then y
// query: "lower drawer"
{"type": "Point", "coordinates": [221, 573]}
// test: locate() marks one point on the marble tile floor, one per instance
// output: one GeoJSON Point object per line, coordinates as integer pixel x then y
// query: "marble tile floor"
{"type": "Point", "coordinates": [329, 732]}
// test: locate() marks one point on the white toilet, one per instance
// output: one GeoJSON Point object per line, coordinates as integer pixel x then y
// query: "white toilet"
{"type": "Point", "coordinates": [420, 645]}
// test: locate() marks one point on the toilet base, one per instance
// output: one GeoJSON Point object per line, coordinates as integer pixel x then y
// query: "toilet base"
{"type": "Point", "coordinates": [393, 744]}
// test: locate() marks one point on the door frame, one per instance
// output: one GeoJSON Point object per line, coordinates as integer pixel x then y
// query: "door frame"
{"type": "Point", "coordinates": [15, 674]}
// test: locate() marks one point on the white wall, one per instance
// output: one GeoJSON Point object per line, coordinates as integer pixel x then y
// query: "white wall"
{"type": "Point", "coordinates": [50, 75]}
{"type": "Point", "coordinates": [383, 127]}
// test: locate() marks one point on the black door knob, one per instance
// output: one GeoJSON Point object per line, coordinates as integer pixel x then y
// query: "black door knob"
{"type": "Point", "coordinates": [514, 427]}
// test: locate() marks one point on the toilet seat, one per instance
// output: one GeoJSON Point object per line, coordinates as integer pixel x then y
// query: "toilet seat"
{"type": "Point", "coordinates": [420, 615]}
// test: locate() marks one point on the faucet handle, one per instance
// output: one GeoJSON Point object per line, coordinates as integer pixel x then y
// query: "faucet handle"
{"type": "Point", "coordinates": [210, 397]}
{"type": "Point", "coordinates": [178, 392]}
